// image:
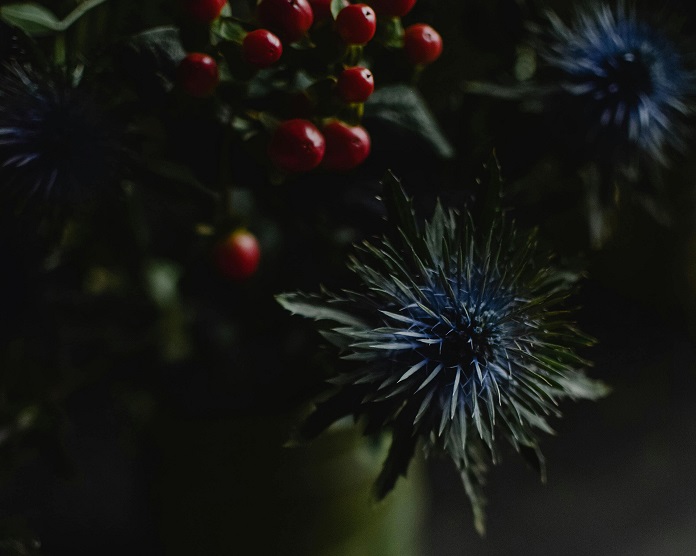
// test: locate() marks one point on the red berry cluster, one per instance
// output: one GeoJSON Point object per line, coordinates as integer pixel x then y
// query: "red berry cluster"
{"type": "Point", "coordinates": [298, 145]}
{"type": "Point", "coordinates": [324, 139]}
{"type": "Point", "coordinates": [318, 126]}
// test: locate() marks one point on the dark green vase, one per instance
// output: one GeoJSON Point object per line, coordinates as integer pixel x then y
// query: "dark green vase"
{"type": "Point", "coordinates": [230, 487]}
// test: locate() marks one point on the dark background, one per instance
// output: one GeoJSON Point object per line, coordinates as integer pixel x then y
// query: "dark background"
{"type": "Point", "coordinates": [121, 430]}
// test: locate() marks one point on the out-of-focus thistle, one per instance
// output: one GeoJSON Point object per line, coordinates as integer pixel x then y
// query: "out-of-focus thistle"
{"type": "Point", "coordinates": [624, 80]}
{"type": "Point", "coordinates": [615, 90]}
{"type": "Point", "coordinates": [456, 338]}
{"type": "Point", "coordinates": [55, 143]}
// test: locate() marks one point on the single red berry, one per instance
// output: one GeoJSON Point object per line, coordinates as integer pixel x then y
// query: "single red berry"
{"type": "Point", "coordinates": [204, 11]}
{"type": "Point", "coordinates": [355, 84]}
{"type": "Point", "coordinates": [393, 8]}
{"type": "Point", "coordinates": [289, 19]}
{"type": "Point", "coordinates": [356, 24]}
{"type": "Point", "coordinates": [296, 146]}
{"type": "Point", "coordinates": [261, 48]}
{"type": "Point", "coordinates": [237, 255]}
{"type": "Point", "coordinates": [422, 44]}
{"type": "Point", "coordinates": [346, 146]}
{"type": "Point", "coordinates": [197, 74]}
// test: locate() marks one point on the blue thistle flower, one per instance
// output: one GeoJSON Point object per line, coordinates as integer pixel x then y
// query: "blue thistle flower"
{"type": "Point", "coordinates": [455, 339]}
{"type": "Point", "coordinates": [55, 142]}
{"type": "Point", "coordinates": [628, 83]}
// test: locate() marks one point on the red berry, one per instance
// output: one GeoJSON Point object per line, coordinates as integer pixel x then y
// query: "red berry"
{"type": "Point", "coordinates": [289, 19]}
{"type": "Point", "coordinates": [355, 84]}
{"type": "Point", "coordinates": [237, 256]}
{"type": "Point", "coordinates": [204, 11]}
{"type": "Point", "coordinates": [422, 44]}
{"type": "Point", "coordinates": [346, 146]}
{"type": "Point", "coordinates": [356, 24]}
{"type": "Point", "coordinates": [261, 48]}
{"type": "Point", "coordinates": [296, 146]}
{"type": "Point", "coordinates": [393, 8]}
{"type": "Point", "coordinates": [197, 74]}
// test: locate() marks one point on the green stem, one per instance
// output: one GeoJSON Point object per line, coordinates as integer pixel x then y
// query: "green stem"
{"type": "Point", "coordinates": [59, 50]}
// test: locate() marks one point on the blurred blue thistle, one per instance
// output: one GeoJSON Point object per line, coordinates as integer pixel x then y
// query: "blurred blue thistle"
{"type": "Point", "coordinates": [456, 337]}
{"type": "Point", "coordinates": [55, 142]}
{"type": "Point", "coordinates": [628, 83]}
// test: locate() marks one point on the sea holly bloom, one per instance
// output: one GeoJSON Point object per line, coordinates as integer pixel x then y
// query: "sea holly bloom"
{"type": "Point", "coordinates": [624, 78]}
{"type": "Point", "coordinates": [55, 142]}
{"type": "Point", "coordinates": [458, 339]}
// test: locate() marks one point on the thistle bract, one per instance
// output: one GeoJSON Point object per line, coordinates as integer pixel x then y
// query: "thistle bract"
{"type": "Point", "coordinates": [55, 143]}
{"type": "Point", "coordinates": [458, 338]}
{"type": "Point", "coordinates": [629, 84]}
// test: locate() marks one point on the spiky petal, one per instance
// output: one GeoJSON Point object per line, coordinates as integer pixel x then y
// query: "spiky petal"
{"type": "Point", "coordinates": [55, 143]}
{"type": "Point", "coordinates": [458, 339]}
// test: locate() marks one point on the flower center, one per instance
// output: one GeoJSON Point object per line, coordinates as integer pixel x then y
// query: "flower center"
{"type": "Point", "coordinates": [626, 76]}
{"type": "Point", "coordinates": [467, 343]}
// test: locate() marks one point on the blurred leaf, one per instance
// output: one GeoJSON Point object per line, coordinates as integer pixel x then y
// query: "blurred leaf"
{"type": "Point", "coordinates": [33, 19]}
{"type": "Point", "coordinates": [162, 43]}
{"type": "Point", "coordinates": [402, 105]}
{"type": "Point", "coordinates": [337, 6]}
{"type": "Point", "coordinates": [151, 58]}
{"type": "Point", "coordinates": [392, 32]}
{"type": "Point", "coordinates": [78, 12]}
{"type": "Point", "coordinates": [227, 31]}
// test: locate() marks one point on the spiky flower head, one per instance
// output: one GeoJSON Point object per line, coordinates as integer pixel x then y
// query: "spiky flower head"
{"type": "Point", "coordinates": [626, 80]}
{"type": "Point", "coordinates": [457, 338]}
{"type": "Point", "coordinates": [55, 142]}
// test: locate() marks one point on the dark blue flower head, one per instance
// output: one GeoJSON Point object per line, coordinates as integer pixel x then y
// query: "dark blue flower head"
{"type": "Point", "coordinates": [55, 142]}
{"type": "Point", "coordinates": [627, 82]}
{"type": "Point", "coordinates": [457, 338]}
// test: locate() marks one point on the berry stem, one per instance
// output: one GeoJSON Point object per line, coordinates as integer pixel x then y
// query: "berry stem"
{"type": "Point", "coordinates": [59, 50]}
{"type": "Point", "coordinates": [353, 54]}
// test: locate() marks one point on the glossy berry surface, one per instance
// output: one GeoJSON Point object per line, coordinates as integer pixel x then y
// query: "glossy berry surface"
{"type": "Point", "coordinates": [197, 74]}
{"type": "Point", "coordinates": [393, 8]}
{"type": "Point", "coordinates": [422, 44]}
{"type": "Point", "coordinates": [289, 19]}
{"type": "Point", "coordinates": [346, 146]}
{"type": "Point", "coordinates": [261, 48]}
{"type": "Point", "coordinates": [355, 84]}
{"type": "Point", "coordinates": [237, 256]}
{"type": "Point", "coordinates": [204, 11]}
{"type": "Point", "coordinates": [296, 146]}
{"type": "Point", "coordinates": [356, 24]}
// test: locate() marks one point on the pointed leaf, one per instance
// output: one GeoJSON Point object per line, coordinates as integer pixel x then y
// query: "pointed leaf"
{"type": "Point", "coordinates": [404, 107]}
{"type": "Point", "coordinates": [314, 307]}
{"type": "Point", "coordinates": [33, 19]}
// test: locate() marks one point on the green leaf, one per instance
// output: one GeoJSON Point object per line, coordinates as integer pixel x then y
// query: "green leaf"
{"type": "Point", "coordinates": [403, 106]}
{"type": "Point", "coordinates": [392, 33]}
{"type": "Point", "coordinates": [36, 21]}
{"type": "Point", "coordinates": [337, 6]}
{"type": "Point", "coordinates": [33, 19]}
{"type": "Point", "coordinates": [78, 12]}
{"type": "Point", "coordinates": [229, 31]}
{"type": "Point", "coordinates": [315, 307]}
{"type": "Point", "coordinates": [152, 56]}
